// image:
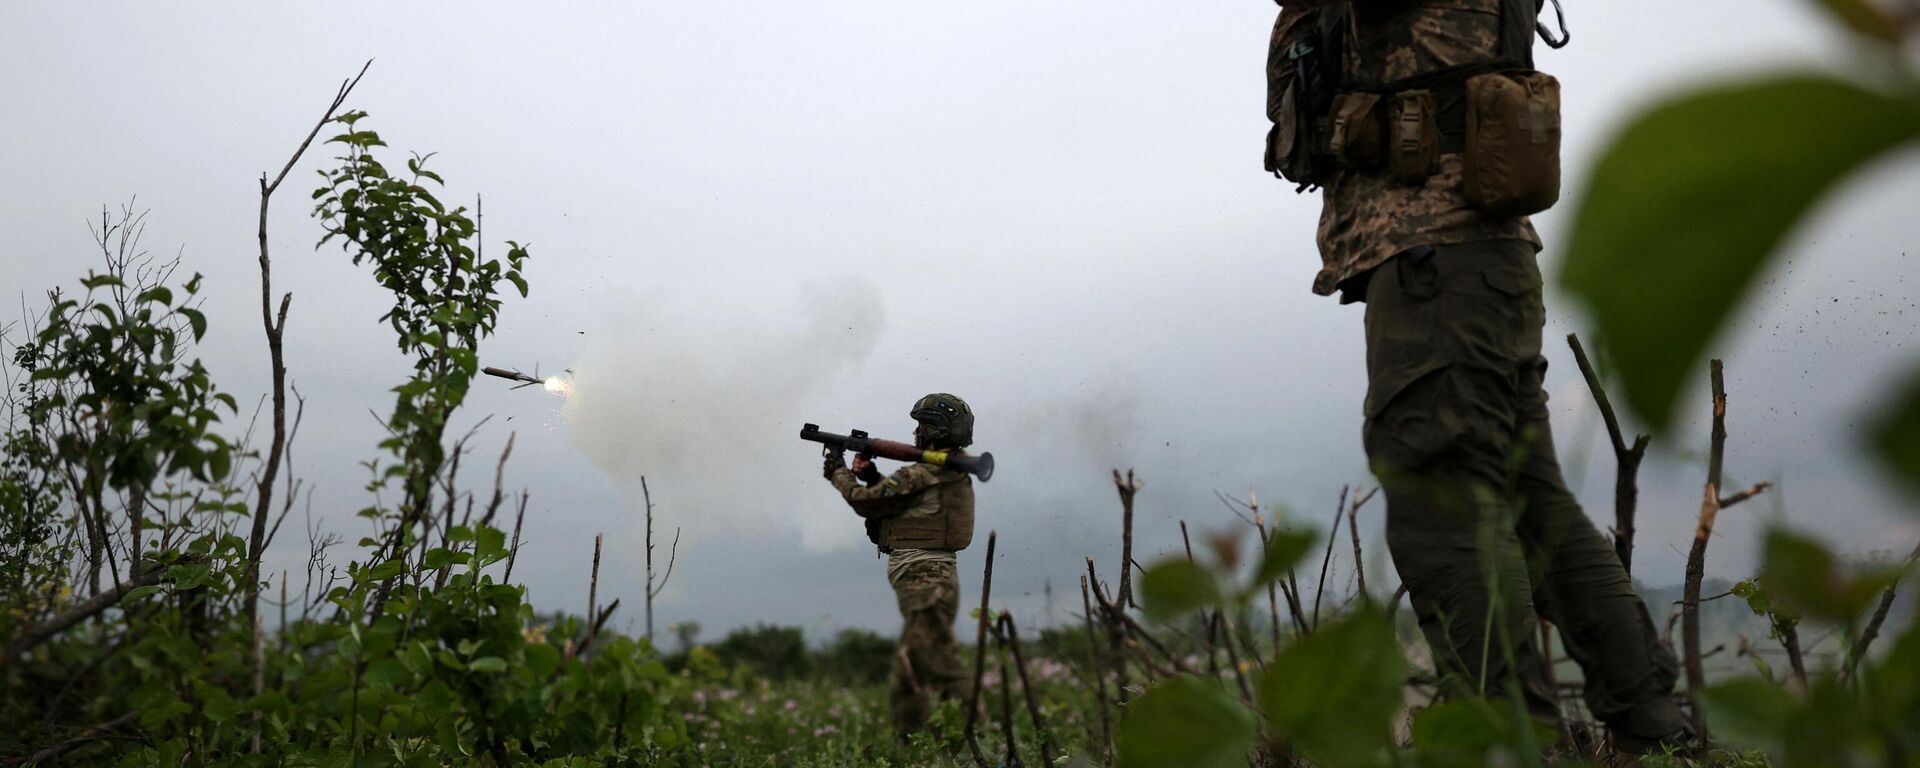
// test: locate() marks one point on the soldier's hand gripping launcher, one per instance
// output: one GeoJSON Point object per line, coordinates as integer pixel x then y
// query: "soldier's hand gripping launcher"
{"type": "Point", "coordinates": [980, 466]}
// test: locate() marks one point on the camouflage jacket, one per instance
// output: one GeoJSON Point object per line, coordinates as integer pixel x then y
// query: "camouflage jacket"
{"type": "Point", "coordinates": [1366, 218]}
{"type": "Point", "coordinates": [919, 506]}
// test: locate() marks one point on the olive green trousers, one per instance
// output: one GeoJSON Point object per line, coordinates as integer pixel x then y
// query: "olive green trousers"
{"type": "Point", "coordinates": [1482, 528]}
{"type": "Point", "coordinates": [927, 661]}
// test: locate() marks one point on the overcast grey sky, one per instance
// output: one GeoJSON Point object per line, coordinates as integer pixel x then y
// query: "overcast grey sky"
{"type": "Point", "coordinates": [745, 216]}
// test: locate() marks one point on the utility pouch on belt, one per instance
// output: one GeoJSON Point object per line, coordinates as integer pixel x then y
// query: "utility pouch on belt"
{"type": "Point", "coordinates": [1512, 155]}
{"type": "Point", "coordinates": [1413, 136]}
{"type": "Point", "coordinates": [1353, 130]}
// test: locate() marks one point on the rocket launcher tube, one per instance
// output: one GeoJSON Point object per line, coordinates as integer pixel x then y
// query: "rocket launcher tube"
{"type": "Point", "coordinates": [980, 466]}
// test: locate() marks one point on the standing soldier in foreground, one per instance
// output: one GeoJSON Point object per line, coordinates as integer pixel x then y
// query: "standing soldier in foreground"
{"type": "Point", "coordinates": [919, 517]}
{"type": "Point", "coordinates": [1433, 138]}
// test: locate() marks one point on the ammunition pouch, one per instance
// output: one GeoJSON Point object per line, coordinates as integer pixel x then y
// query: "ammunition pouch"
{"type": "Point", "coordinates": [1354, 131]}
{"type": "Point", "coordinates": [1512, 162]}
{"type": "Point", "coordinates": [1413, 136]}
{"type": "Point", "coordinates": [1505, 123]}
{"type": "Point", "coordinates": [1500, 114]}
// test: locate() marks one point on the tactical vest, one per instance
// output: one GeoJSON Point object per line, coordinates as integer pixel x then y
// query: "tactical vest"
{"type": "Point", "coordinates": [1500, 113]}
{"type": "Point", "coordinates": [940, 517]}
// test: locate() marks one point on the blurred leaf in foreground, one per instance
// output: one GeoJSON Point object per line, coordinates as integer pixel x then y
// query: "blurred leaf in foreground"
{"type": "Point", "coordinates": [1334, 693]}
{"type": "Point", "coordinates": [1685, 208]}
{"type": "Point", "coordinates": [1186, 722]}
{"type": "Point", "coordinates": [1173, 588]}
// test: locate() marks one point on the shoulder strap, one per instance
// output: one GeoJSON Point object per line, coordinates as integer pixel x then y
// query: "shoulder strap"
{"type": "Point", "coordinates": [1517, 20]}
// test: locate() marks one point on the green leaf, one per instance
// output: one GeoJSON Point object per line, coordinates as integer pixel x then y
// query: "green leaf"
{"type": "Point", "coordinates": [488, 664]}
{"type": "Point", "coordinates": [1284, 550]}
{"type": "Point", "coordinates": [490, 545]}
{"type": "Point", "coordinates": [1750, 712]}
{"type": "Point", "coordinates": [387, 570]}
{"type": "Point", "coordinates": [1684, 209]}
{"type": "Point", "coordinates": [196, 319]}
{"type": "Point", "coordinates": [1897, 437]}
{"type": "Point", "coordinates": [139, 592]}
{"type": "Point", "coordinates": [100, 281]}
{"type": "Point", "coordinates": [158, 294]}
{"type": "Point", "coordinates": [1186, 722]}
{"type": "Point", "coordinates": [219, 463]}
{"type": "Point", "coordinates": [1173, 588]}
{"type": "Point", "coordinates": [1335, 692]}
{"type": "Point", "coordinates": [439, 557]}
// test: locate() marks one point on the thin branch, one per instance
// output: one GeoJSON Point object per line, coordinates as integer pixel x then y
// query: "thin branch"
{"type": "Point", "coordinates": [1116, 636]}
{"type": "Point", "coordinates": [1012, 635]}
{"type": "Point", "coordinates": [1099, 677]}
{"type": "Point", "coordinates": [1326, 559]}
{"type": "Point", "coordinates": [1757, 489]}
{"type": "Point", "coordinates": [29, 637]}
{"type": "Point", "coordinates": [275, 329]}
{"type": "Point", "coordinates": [1353, 529]}
{"type": "Point", "coordinates": [1626, 488]}
{"type": "Point", "coordinates": [1696, 559]}
{"type": "Point", "coordinates": [1858, 653]}
{"type": "Point", "coordinates": [673, 553]}
{"type": "Point", "coordinates": [1233, 656]}
{"type": "Point", "coordinates": [1127, 488]}
{"type": "Point", "coordinates": [513, 550]}
{"type": "Point", "coordinates": [1006, 715]}
{"type": "Point", "coordinates": [593, 590]}
{"type": "Point", "coordinates": [980, 657]}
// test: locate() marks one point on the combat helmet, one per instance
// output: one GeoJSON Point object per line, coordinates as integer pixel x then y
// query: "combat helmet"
{"type": "Point", "coordinates": [947, 421]}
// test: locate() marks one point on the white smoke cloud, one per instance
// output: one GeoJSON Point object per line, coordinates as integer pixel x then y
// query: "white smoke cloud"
{"type": "Point", "coordinates": [687, 389]}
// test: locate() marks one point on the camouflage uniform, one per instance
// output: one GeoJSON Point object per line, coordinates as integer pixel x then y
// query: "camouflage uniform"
{"type": "Point", "coordinates": [920, 516]}
{"type": "Point", "coordinates": [1480, 523]}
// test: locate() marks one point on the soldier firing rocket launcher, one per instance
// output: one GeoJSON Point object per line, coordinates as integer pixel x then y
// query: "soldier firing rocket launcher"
{"type": "Point", "coordinates": [980, 466]}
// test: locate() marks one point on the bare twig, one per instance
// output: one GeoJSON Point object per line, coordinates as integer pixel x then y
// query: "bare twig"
{"type": "Point", "coordinates": [1757, 489]}
{"type": "Point", "coordinates": [1127, 487]}
{"type": "Point", "coordinates": [275, 328]}
{"type": "Point", "coordinates": [1006, 715]}
{"type": "Point", "coordinates": [980, 657]}
{"type": "Point", "coordinates": [593, 591]}
{"type": "Point", "coordinates": [1796, 659]}
{"type": "Point", "coordinates": [1626, 488]}
{"type": "Point", "coordinates": [1116, 636]}
{"type": "Point", "coordinates": [1696, 559]}
{"type": "Point", "coordinates": [1213, 663]}
{"type": "Point", "coordinates": [673, 554]}
{"type": "Point", "coordinates": [1326, 558]}
{"type": "Point", "coordinates": [1233, 656]}
{"type": "Point", "coordinates": [1100, 677]}
{"type": "Point", "coordinates": [1858, 652]}
{"type": "Point", "coordinates": [513, 550]}
{"type": "Point", "coordinates": [1359, 567]}
{"type": "Point", "coordinates": [647, 508]}
{"type": "Point", "coordinates": [1012, 637]}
